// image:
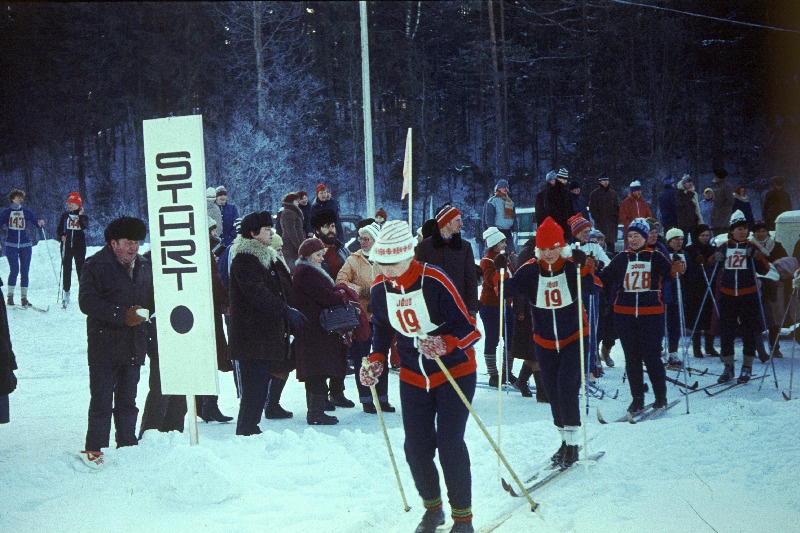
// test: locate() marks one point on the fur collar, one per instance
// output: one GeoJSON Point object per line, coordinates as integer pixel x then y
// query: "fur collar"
{"type": "Point", "coordinates": [315, 267]}
{"type": "Point", "coordinates": [266, 255]}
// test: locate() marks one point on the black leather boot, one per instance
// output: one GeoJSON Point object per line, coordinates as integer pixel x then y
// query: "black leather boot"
{"type": "Point", "coordinates": [273, 409]}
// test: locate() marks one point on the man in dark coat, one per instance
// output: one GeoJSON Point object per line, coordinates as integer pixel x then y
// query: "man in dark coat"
{"type": "Point", "coordinates": [229, 215]}
{"type": "Point", "coordinates": [541, 202]}
{"type": "Point", "coordinates": [326, 202]}
{"type": "Point", "coordinates": [260, 317]}
{"type": "Point", "coordinates": [688, 207]}
{"type": "Point", "coordinates": [8, 363]}
{"type": "Point", "coordinates": [292, 231]}
{"type": "Point", "coordinates": [579, 205]}
{"type": "Point", "coordinates": [776, 201]}
{"type": "Point", "coordinates": [447, 250]}
{"type": "Point", "coordinates": [667, 205]}
{"type": "Point", "coordinates": [723, 203]}
{"type": "Point", "coordinates": [558, 201]}
{"type": "Point", "coordinates": [324, 224]}
{"type": "Point", "coordinates": [305, 208]}
{"type": "Point", "coordinates": [116, 282]}
{"type": "Point", "coordinates": [604, 206]}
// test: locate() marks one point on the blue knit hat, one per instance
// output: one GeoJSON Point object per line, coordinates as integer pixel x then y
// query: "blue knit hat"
{"type": "Point", "coordinates": [640, 226]}
{"type": "Point", "coordinates": [501, 184]}
{"type": "Point", "coordinates": [551, 176]}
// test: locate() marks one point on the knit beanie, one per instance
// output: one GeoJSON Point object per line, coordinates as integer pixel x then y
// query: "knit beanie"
{"type": "Point", "coordinates": [549, 234]}
{"type": "Point", "coordinates": [640, 226]}
{"type": "Point", "coordinates": [501, 184]}
{"type": "Point", "coordinates": [211, 194]}
{"type": "Point", "coordinates": [74, 198]}
{"type": "Point", "coordinates": [320, 187]}
{"type": "Point", "coordinates": [447, 214]}
{"type": "Point", "coordinates": [381, 213]}
{"type": "Point", "coordinates": [577, 224]}
{"type": "Point", "coordinates": [552, 175]}
{"type": "Point", "coordinates": [492, 236]}
{"type": "Point", "coordinates": [394, 243]}
{"type": "Point", "coordinates": [371, 229]}
{"type": "Point", "coordinates": [673, 233]}
{"type": "Point", "coordinates": [563, 173]}
{"type": "Point", "coordinates": [636, 185]}
{"type": "Point", "coordinates": [737, 219]}
{"type": "Point", "coordinates": [222, 191]}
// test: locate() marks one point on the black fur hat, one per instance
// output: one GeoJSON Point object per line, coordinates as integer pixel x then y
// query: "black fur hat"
{"type": "Point", "coordinates": [130, 228]}
{"type": "Point", "coordinates": [254, 222]}
{"type": "Point", "coordinates": [320, 218]}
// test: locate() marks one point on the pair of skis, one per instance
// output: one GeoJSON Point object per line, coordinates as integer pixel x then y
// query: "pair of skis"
{"type": "Point", "coordinates": [29, 306]}
{"type": "Point", "coordinates": [649, 412]}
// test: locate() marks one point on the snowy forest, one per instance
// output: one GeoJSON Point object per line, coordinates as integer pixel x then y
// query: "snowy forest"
{"type": "Point", "coordinates": [491, 88]}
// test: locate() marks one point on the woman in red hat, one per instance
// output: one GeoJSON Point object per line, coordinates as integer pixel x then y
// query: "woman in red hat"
{"type": "Point", "coordinates": [71, 231]}
{"type": "Point", "coordinates": [551, 285]}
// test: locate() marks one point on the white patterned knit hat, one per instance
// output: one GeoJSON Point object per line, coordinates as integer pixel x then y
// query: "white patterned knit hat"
{"type": "Point", "coordinates": [394, 243]}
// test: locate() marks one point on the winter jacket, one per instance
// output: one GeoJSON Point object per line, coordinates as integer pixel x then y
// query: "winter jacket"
{"type": "Point", "coordinates": [107, 292]}
{"type": "Point", "coordinates": [637, 277]}
{"type": "Point", "coordinates": [330, 205]}
{"type": "Point", "coordinates": [258, 328]}
{"type": "Point", "coordinates": [737, 268]}
{"type": "Point", "coordinates": [776, 201]}
{"type": "Point", "coordinates": [688, 209]}
{"type": "Point", "coordinates": [667, 207]}
{"type": "Point", "coordinates": [706, 206]}
{"type": "Point", "coordinates": [723, 205]}
{"type": "Point", "coordinates": [455, 257]}
{"type": "Point", "coordinates": [306, 210]}
{"type": "Point", "coordinates": [604, 206]}
{"type": "Point", "coordinates": [358, 273]}
{"type": "Point", "coordinates": [73, 226]}
{"type": "Point", "coordinates": [693, 283]}
{"type": "Point", "coordinates": [772, 248]}
{"type": "Point", "coordinates": [579, 206]}
{"type": "Point", "coordinates": [422, 299]}
{"type": "Point", "coordinates": [292, 232]}
{"type": "Point", "coordinates": [229, 216]}
{"type": "Point", "coordinates": [630, 209]}
{"type": "Point", "coordinates": [220, 298]}
{"type": "Point", "coordinates": [18, 220]}
{"type": "Point", "coordinates": [8, 362]}
{"type": "Point", "coordinates": [216, 215]}
{"type": "Point", "coordinates": [488, 295]}
{"type": "Point", "coordinates": [554, 201]}
{"type": "Point", "coordinates": [742, 203]}
{"type": "Point", "coordinates": [499, 212]}
{"type": "Point", "coordinates": [318, 353]}
{"type": "Point", "coordinates": [552, 290]}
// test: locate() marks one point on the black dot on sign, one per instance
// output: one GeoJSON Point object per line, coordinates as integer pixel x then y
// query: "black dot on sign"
{"type": "Point", "coordinates": [181, 319]}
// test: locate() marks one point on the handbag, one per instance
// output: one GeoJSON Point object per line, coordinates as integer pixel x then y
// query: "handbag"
{"type": "Point", "coordinates": [339, 318]}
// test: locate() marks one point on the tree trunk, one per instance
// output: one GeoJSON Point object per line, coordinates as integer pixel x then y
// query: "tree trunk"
{"type": "Point", "coordinates": [261, 95]}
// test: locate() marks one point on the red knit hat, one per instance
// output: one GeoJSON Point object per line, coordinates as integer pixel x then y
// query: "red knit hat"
{"type": "Point", "coordinates": [381, 213]}
{"type": "Point", "coordinates": [74, 198]}
{"type": "Point", "coordinates": [310, 246]}
{"type": "Point", "coordinates": [320, 187]}
{"type": "Point", "coordinates": [447, 214]}
{"type": "Point", "coordinates": [577, 224]}
{"type": "Point", "coordinates": [549, 234]}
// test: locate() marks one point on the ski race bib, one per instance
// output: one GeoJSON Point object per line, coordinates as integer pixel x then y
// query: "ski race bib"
{"type": "Point", "coordinates": [74, 223]}
{"type": "Point", "coordinates": [553, 293]}
{"type": "Point", "coordinates": [16, 220]}
{"type": "Point", "coordinates": [637, 277]}
{"type": "Point", "coordinates": [736, 259]}
{"type": "Point", "coordinates": [408, 313]}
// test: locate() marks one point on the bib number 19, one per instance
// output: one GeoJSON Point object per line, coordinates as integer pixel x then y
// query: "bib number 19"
{"type": "Point", "coordinates": [408, 320]}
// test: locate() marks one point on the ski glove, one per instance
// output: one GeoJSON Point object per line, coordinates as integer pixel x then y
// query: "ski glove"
{"type": "Point", "coordinates": [433, 347]}
{"type": "Point", "coordinates": [579, 256]}
{"type": "Point", "coordinates": [131, 318]}
{"type": "Point", "coordinates": [369, 374]}
{"type": "Point", "coordinates": [678, 268]}
{"type": "Point", "coordinates": [753, 252]}
{"type": "Point", "coordinates": [296, 319]}
{"type": "Point", "coordinates": [501, 262]}
{"type": "Point", "coordinates": [718, 257]}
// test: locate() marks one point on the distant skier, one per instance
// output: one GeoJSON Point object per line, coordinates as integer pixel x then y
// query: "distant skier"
{"type": "Point", "coordinates": [71, 231]}
{"type": "Point", "coordinates": [18, 243]}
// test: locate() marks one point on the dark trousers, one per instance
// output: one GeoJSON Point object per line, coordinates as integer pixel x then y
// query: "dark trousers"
{"type": "Point", "coordinates": [432, 420]}
{"type": "Point", "coordinates": [254, 376]}
{"type": "Point", "coordinates": [641, 341]}
{"type": "Point", "coordinates": [78, 254]}
{"type": "Point", "coordinates": [113, 392]}
{"type": "Point", "coordinates": [745, 310]}
{"type": "Point", "coordinates": [672, 313]}
{"type": "Point", "coordinates": [359, 350]}
{"type": "Point", "coordinates": [561, 377]}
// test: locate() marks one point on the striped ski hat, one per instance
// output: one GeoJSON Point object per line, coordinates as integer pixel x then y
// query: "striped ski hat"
{"type": "Point", "coordinates": [446, 215]}
{"type": "Point", "coordinates": [394, 243]}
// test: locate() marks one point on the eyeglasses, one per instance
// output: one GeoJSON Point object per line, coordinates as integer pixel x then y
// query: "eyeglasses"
{"type": "Point", "coordinates": [364, 239]}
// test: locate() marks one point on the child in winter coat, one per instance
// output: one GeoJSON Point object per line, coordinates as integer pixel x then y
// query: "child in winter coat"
{"type": "Point", "coordinates": [71, 231]}
{"type": "Point", "coordinates": [490, 311]}
{"type": "Point", "coordinates": [672, 302]}
{"type": "Point", "coordinates": [18, 243]}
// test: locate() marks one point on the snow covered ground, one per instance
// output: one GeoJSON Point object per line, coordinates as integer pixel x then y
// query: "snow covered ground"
{"type": "Point", "coordinates": [730, 465]}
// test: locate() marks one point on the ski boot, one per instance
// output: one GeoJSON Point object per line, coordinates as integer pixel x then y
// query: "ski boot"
{"type": "Point", "coordinates": [522, 381]}
{"type": "Point", "coordinates": [432, 519]}
{"type": "Point", "coordinates": [10, 300]}
{"type": "Point", "coordinates": [673, 363]}
{"type": "Point", "coordinates": [710, 351]}
{"type": "Point", "coordinates": [558, 457]}
{"type": "Point", "coordinates": [744, 377]}
{"type": "Point", "coordinates": [660, 403]}
{"type": "Point", "coordinates": [605, 354]}
{"type": "Point", "coordinates": [24, 302]}
{"type": "Point", "coordinates": [494, 379]}
{"type": "Point", "coordinates": [570, 456]}
{"type": "Point", "coordinates": [727, 374]}
{"type": "Point", "coordinates": [697, 342]}
{"type": "Point", "coordinates": [65, 300]}
{"type": "Point", "coordinates": [637, 405]}
{"type": "Point", "coordinates": [462, 527]}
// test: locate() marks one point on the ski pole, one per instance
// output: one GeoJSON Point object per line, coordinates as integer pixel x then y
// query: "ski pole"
{"type": "Point", "coordinates": [708, 286]}
{"type": "Point", "coordinates": [792, 302]}
{"type": "Point", "coordinates": [477, 419]}
{"type": "Point", "coordinates": [60, 274]}
{"type": "Point", "coordinates": [764, 323]}
{"type": "Point", "coordinates": [583, 364]}
{"type": "Point", "coordinates": [686, 341]}
{"type": "Point", "coordinates": [49, 254]}
{"type": "Point", "coordinates": [705, 296]}
{"type": "Point", "coordinates": [777, 339]}
{"type": "Point", "coordinates": [377, 403]}
{"type": "Point", "coordinates": [499, 355]}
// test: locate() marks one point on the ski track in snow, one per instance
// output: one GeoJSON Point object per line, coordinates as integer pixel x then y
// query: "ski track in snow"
{"type": "Point", "coordinates": [730, 465]}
